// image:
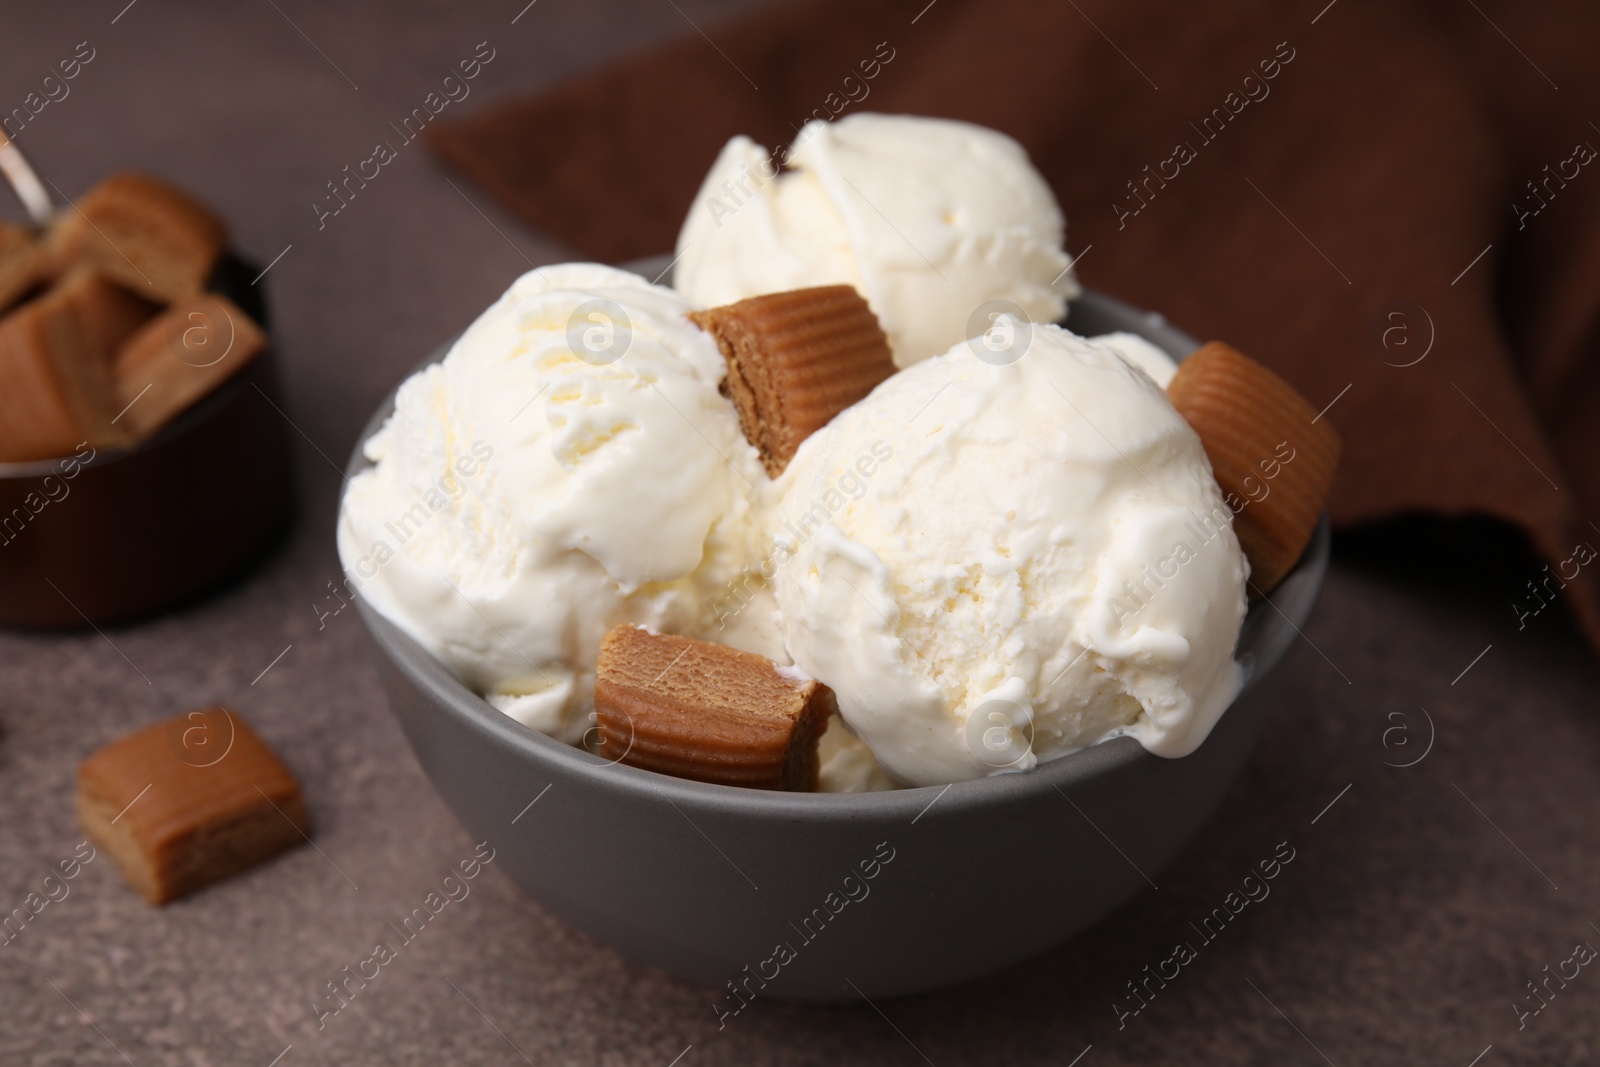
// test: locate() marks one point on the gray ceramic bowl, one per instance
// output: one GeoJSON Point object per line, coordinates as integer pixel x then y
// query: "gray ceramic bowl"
{"type": "Point", "coordinates": [771, 891]}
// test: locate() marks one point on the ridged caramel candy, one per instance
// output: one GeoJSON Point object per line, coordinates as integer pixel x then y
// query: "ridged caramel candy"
{"type": "Point", "coordinates": [795, 360]}
{"type": "Point", "coordinates": [705, 711]}
{"type": "Point", "coordinates": [152, 237]}
{"type": "Point", "coordinates": [1273, 457]}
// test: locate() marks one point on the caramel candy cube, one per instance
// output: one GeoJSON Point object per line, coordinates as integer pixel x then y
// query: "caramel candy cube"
{"type": "Point", "coordinates": [705, 711]}
{"type": "Point", "coordinates": [795, 360]}
{"type": "Point", "coordinates": [106, 314]}
{"type": "Point", "coordinates": [56, 389]}
{"type": "Point", "coordinates": [1272, 456]}
{"type": "Point", "coordinates": [150, 236]}
{"type": "Point", "coordinates": [178, 357]}
{"type": "Point", "coordinates": [46, 407]}
{"type": "Point", "coordinates": [185, 802]}
{"type": "Point", "coordinates": [23, 263]}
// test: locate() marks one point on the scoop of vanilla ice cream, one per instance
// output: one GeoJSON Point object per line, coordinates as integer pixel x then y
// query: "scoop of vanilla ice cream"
{"type": "Point", "coordinates": [929, 219]}
{"type": "Point", "coordinates": [1009, 552]}
{"type": "Point", "coordinates": [569, 466]}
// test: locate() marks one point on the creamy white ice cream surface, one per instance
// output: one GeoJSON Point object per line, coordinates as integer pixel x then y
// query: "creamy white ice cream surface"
{"type": "Point", "coordinates": [932, 220]}
{"type": "Point", "coordinates": [1142, 354]}
{"type": "Point", "coordinates": [1009, 552]}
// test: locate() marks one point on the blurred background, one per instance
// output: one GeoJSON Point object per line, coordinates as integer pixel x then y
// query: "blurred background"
{"type": "Point", "coordinates": [1433, 760]}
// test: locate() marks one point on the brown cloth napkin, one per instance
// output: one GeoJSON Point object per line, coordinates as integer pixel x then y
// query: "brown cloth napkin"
{"type": "Point", "coordinates": [1396, 206]}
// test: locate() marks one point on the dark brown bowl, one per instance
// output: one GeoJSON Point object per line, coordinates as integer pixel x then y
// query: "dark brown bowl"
{"type": "Point", "coordinates": [115, 535]}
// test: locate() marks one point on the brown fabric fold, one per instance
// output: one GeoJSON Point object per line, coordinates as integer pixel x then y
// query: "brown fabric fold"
{"type": "Point", "coordinates": [1375, 220]}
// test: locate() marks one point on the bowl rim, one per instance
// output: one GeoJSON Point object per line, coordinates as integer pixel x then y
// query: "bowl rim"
{"type": "Point", "coordinates": [1095, 762]}
{"type": "Point", "coordinates": [200, 411]}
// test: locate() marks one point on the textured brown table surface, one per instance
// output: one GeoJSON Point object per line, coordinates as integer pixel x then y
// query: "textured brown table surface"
{"type": "Point", "coordinates": [1418, 906]}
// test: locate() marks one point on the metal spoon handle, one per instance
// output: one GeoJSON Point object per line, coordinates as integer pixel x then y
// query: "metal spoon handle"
{"type": "Point", "coordinates": [24, 182]}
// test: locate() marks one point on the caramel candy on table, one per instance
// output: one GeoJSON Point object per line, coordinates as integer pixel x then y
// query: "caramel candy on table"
{"type": "Point", "coordinates": [56, 389]}
{"type": "Point", "coordinates": [180, 356]}
{"type": "Point", "coordinates": [23, 263]}
{"type": "Point", "coordinates": [150, 236]}
{"type": "Point", "coordinates": [795, 360]}
{"type": "Point", "coordinates": [705, 711]}
{"type": "Point", "coordinates": [185, 802]}
{"type": "Point", "coordinates": [1273, 458]}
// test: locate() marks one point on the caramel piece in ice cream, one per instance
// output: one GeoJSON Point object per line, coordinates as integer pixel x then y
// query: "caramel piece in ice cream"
{"type": "Point", "coordinates": [150, 236]}
{"type": "Point", "coordinates": [705, 711]}
{"type": "Point", "coordinates": [1273, 457]}
{"type": "Point", "coordinates": [795, 360]}
{"type": "Point", "coordinates": [185, 802]}
{"type": "Point", "coordinates": [180, 356]}
{"type": "Point", "coordinates": [56, 388]}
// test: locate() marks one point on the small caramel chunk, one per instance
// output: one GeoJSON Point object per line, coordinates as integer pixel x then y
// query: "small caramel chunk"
{"type": "Point", "coordinates": [1273, 458]}
{"type": "Point", "coordinates": [106, 314]}
{"type": "Point", "coordinates": [23, 263]}
{"type": "Point", "coordinates": [795, 360]}
{"type": "Point", "coordinates": [705, 711]}
{"type": "Point", "coordinates": [56, 389]}
{"type": "Point", "coordinates": [152, 237]}
{"type": "Point", "coordinates": [180, 356]}
{"type": "Point", "coordinates": [45, 408]}
{"type": "Point", "coordinates": [186, 802]}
